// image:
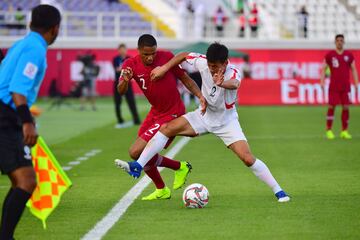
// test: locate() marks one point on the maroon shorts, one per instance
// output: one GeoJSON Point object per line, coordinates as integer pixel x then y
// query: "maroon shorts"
{"type": "Point", "coordinates": [152, 124]}
{"type": "Point", "coordinates": [339, 97]}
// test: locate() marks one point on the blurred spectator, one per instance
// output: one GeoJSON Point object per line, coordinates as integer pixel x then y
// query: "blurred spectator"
{"type": "Point", "coordinates": [190, 7]}
{"type": "Point", "coordinates": [90, 71]}
{"type": "Point", "coordinates": [15, 19]}
{"type": "Point", "coordinates": [242, 23]}
{"type": "Point", "coordinates": [199, 22]}
{"type": "Point", "coordinates": [219, 20]}
{"type": "Point", "coordinates": [254, 21]}
{"type": "Point", "coordinates": [112, 1]}
{"type": "Point", "coordinates": [20, 18]}
{"type": "Point", "coordinates": [303, 16]}
{"type": "Point", "coordinates": [129, 95]}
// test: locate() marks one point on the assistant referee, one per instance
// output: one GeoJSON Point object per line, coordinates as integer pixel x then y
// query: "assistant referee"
{"type": "Point", "coordinates": [21, 74]}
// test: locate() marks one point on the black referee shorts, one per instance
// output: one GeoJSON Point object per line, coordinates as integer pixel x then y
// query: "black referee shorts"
{"type": "Point", "coordinates": [13, 153]}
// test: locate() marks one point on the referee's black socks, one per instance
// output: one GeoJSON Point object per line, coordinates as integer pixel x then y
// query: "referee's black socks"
{"type": "Point", "coordinates": [13, 208]}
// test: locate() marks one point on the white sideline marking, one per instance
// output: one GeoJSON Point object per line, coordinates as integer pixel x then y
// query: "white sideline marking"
{"type": "Point", "coordinates": [78, 160]}
{"type": "Point", "coordinates": [105, 224]}
{"type": "Point", "coordinates": [74, 163]}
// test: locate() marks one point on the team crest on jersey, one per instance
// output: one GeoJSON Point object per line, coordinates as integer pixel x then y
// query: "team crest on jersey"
{"type": "Point", "coordinates": [346, 58]}
{"type": "Point", "coordinates": [335, 62]}
{"type": "Point", "coordinates": [30, 70]}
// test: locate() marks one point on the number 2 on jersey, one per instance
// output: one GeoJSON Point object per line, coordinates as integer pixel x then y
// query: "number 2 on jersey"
{"type": "Point", "coordinates": [142, 80]}
{"type": "Point", "coordinates": [151, 130]}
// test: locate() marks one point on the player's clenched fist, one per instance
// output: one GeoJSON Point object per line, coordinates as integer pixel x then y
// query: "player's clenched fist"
{"type": "Point", "coordinates": [126, 74]}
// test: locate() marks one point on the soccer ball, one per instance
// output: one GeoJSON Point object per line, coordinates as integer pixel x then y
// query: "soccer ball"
{"type": "Point", "coordinates": [196, 196]}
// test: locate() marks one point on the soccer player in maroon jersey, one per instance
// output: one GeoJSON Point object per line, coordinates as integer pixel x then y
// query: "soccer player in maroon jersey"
{"type": "Point", "coordinates": [340, 61]}
{"type": "Point", "coordinates": [166, 105]}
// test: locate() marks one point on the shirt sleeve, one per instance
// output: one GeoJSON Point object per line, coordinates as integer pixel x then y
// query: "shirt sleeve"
{"type": "Point", "coordinates": [197, 60]}
{"type": "Point", "coordinates": [328, 59]}
{"type": "Point", "coordinates": [351, 59]}
{"type": "Point", "coordinates": [127, 63]}
{"type": "Point", "coordinates": [233, 74]}
{"type": "Point", "coordinates": [28, 67]}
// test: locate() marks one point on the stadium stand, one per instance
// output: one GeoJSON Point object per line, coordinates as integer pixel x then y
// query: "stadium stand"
{"type": "Point", "coordinates": [103, 18]}
{"type": "Point", "coordinates": [83, 18]}
{"type": "Point", "coordinates": [326, 17]}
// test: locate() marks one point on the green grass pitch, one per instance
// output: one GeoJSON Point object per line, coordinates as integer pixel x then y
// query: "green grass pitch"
{"type": "Point", "coordinates": [321, 176]}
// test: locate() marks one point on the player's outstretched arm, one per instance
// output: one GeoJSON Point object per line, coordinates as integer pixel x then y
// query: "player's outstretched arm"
{"type": "Point", "coordinates": [190, 84]}
{"type": "Point", "coordinates": [159, 72]}
{"type": "Point", "coordinates": [125, 77]}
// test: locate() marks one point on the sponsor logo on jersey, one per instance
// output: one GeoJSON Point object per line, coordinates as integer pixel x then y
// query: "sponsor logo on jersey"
{"type": "Point", "coordinates": [30, 70]}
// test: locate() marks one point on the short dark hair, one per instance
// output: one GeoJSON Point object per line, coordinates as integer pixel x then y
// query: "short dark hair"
{"type": "Point", "coordinates": [217, 52]}
{"type": "Point", "coordinates": [122, 45]}
{"type": "Point", "coordinates": [339, 36]}
{"type": "Point", "coordinates": [44, 17]}
{"type": "Point", "coordinates": [146, 40]}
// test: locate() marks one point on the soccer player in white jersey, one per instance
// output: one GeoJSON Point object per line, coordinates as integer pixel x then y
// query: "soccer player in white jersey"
{"type": "Point", "coordinates": [220, 83]}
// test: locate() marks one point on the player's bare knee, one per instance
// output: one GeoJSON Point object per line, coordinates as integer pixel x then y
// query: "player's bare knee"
{"type": "Point", "coordinates": [248, 159]}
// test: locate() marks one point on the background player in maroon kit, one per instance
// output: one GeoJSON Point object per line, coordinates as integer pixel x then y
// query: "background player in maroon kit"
{"type": "Point", "coordinates": [340, 62]}
{"type": "Point", "coordinates": [166, 105]}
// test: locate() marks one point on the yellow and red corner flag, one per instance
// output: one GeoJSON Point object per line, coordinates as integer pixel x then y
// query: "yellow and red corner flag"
{"type": "Point", "coordinates": [52, 182]}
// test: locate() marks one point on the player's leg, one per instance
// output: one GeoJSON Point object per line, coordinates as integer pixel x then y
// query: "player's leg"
{"type": "Point", "coordinates": [234, 138]}
{"type": "Point", "coordinates": [188, 125]}
{"type": "Point", "coordinates": [23, 182]}
{"type": "Point", "coordinates": [157, 160]}
{"type": "Point", "coordinates": [345, 115]}
{"type": "Point", "coordinates": [334, 99]}
{"type": "Point", "coordinates": [259, 168]}
{"type": "Point", "coordinates": [161, 191]}
{"type": "Point", "coordinates": [329, 121]}
{"type": "Point", "coordinates": [178, 126]}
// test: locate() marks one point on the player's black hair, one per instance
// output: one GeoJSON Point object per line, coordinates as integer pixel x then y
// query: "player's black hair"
{"type": "Point", "coordinates": [146, 40]}
{"type": "Point", "coordinates": [44, 17]}
{"type": "Point", "coordinates": [122, 45]}
{"type": "Point", "coordinates": [217, 53]}
{"type": "Point", "coordinates": [339, 36]}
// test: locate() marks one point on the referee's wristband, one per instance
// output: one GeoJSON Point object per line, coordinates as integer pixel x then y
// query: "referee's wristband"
{"type": "Point", "coordinates": [24, 113]}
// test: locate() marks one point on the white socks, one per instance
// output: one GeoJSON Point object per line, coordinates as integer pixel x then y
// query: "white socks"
{"type": "Point", "coordinates": [154, 146]}
{"type": "Point", "coordinates": [263, 173]}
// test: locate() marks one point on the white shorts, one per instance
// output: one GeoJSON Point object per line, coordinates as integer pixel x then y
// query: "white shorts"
{"type": "Point", "coordinates": [229, 133]}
